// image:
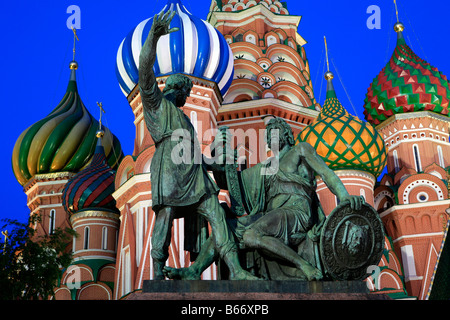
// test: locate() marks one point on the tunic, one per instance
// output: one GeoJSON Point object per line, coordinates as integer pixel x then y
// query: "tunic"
{"type": "Point", "coordinates": [178, 176]}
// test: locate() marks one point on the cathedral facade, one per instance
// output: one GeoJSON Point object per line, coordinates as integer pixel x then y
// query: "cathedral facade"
{"type": "Point", "coordinates": [248, 64]}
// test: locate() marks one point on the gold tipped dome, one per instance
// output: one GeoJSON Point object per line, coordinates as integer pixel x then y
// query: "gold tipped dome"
{"type": "Point", "coordinates": [343, 141]}
{"type": "Point", "coordinates": [65, 140]}
{"type": "Point", "coordinates": [329, 76]}
{"type": "Point", "coordinates": [100, 134]}
{"type": "Point", "coordinates": [73, 65]}
{"type": "Point", "coordinates": [399, 27]}
{"type": "Point", "coordinates": [407, 83]}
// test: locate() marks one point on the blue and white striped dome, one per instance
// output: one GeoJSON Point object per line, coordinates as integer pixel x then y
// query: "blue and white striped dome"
{"type": "Point", "coordinates": [197, 49]}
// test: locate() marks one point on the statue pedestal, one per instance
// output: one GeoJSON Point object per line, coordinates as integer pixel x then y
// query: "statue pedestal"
{"type": "Point", "coordinates": [253, 290]}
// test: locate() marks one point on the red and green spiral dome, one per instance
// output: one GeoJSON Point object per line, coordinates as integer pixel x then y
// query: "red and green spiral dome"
{"type": "Point", "coordinates": [406, 84]}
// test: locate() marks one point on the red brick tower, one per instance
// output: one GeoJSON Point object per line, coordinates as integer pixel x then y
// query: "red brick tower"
{"type": "Point", "coordinates": [409, 103]}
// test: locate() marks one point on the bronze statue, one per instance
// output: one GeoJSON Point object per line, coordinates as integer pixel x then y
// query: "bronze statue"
{"type": "Point", "coordinates": [178, 189]}
{"type": "Point", "coordinates": [283, 208]}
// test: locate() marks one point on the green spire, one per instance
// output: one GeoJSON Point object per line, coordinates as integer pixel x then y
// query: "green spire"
{"type": "Point", "coordinates": [332, 107]}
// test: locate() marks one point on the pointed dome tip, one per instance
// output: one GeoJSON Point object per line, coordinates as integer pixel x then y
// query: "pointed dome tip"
{"type": "Point", "coordinates": [73, 67]}
{"type": "Point", "coordinates": [329, 76]}
{"type": "Point", "coordinates": [399, 27]}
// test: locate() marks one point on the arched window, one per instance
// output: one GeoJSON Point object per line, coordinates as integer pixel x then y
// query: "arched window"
{"type": "Point", "coordinates": [104, 238]}
{"type": "Point", "coordinates": [194, 120]}
{"type": "Point", "coordinates": [86, 238]}
{"type": "Point", "coordinates": [271, 40]}
{"type": "Point", "coordinates": [396, 164]}
{"type": "Point", "coordinates": [116, 241]}
{"type": "Point", "coordinates": [250, 38]}
{"type": "Point", "coordinates": [362, 193]}
{"type": "Point", "coordinates": [74, 243]}
{"type": "Point", "coordinates": [126, 279]}
{"type": "Point", "coordinates": [51, 222]}
{"type": "Point", "coordinates": [141, 131]}
{"type": "Point", "coordinates": [239, 38]}
{"type": "Point", "coordinates": [441, 157]}
{"type": "Point", "coordinates": [417, 158]}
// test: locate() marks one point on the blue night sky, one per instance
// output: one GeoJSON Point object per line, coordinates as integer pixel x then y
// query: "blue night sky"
{"type": "Point", "coordinates": [37, 49]}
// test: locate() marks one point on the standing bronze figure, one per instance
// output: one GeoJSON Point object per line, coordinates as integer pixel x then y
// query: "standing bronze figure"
{"type": "Point", "coordinates": [178, 189]}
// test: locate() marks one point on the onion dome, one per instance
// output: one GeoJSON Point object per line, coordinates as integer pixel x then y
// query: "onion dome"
{"type": "Point", "coordinates": [63, 141]}
{"type": "Point", "coordinates": [342, 140]}
{"type": "Point", "coordinates": [197, 49]}
{"type": "Point", "coordinates": [92, 187]}
{"type": "Point", "coordinates": [406, 84]}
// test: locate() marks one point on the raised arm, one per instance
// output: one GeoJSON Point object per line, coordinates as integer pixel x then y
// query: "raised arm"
{"type": "Point", "coordinates": [329, 177]}
{"type": "Point", "coordinates": [147, 58]}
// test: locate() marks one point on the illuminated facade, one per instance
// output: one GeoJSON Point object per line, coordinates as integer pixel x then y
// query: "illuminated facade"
{"type": "Point", "coordinates": [248, 63]}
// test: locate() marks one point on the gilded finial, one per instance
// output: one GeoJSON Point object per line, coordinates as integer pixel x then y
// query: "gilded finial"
{"type": "Point", "coordinates": [398, 27]}
{"type": "Point", "coordinates": [328, 75]}
{"type": "Point", "coordinates": [73, 64]}
{"type": "Point", "coordinates": [75, 39]}
{"type": "Point", "coordinates": [100, 132]}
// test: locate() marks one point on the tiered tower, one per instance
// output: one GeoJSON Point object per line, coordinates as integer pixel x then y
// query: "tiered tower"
{"type": "Point", "coordinates": [271, 72]}
{"type": "Point", "coordinates": [53, 150]}
{"type": "Point", "coordinates": [88, 201]}
{"type": "Point", "coordinates": [409, 103]}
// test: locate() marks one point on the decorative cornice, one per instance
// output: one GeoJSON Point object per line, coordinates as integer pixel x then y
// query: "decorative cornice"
{"type": "Point", "coordinates": [233, 107]}
{"type": "Point", "coordinates": [136, 179]}
{"type": "Point", "coordinates": [352, 173]}
{"type": "Point", "coordinates": [93, 214]}
{"type": "Point", "coordinates": [414, 206]}
{"type": "Point", "coordinates": [412, 115]}
{"type": "Point", "coordinates": [249, 14]}
{"type": "Point", "coordinates": [65, 175]}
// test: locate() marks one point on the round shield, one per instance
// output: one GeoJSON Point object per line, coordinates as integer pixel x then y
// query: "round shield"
{"type": "Point", "coordinates": [351, 241]}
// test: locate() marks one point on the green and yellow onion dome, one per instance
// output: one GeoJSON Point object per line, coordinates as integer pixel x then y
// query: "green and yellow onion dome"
{"type": "Point", "coordinates": [92, 187]}
{"type": "Point", "coordinates": [64, 140]}
{"type": "Point", "coordinates": [406, 84]}
{"type": "Point", "coordinates": [342, 140]}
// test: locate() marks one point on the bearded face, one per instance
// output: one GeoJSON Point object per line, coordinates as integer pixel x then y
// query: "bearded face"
{"type": "Point", "coordinates": [278, 134]}
{"type": "Point", "coordinates": [356, 238]}
{"type": "Point", "coordinates": [181, 97]}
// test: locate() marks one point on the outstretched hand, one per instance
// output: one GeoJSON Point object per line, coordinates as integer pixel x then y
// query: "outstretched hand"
{"type": "Point", "coordinates": [356, 202]}
{"type": "Point", "coordinates": [161, 24]}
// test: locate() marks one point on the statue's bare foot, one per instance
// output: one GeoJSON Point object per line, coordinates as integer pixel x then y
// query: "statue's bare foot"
{"type": "Point", "coordinates": [180, 274]}
{"type": "Point", "coordinates": [243, 275]}
{"type": "Point", "coordinates": [311, 272]}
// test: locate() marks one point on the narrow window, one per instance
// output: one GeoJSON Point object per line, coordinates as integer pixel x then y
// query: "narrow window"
{"type": "Point", "coordinates": [105, 238]}
{"type": "Point", "coordinates": [441, 157]}
{"type": "Point", "coordinates": [362, 193]}
{"type": "Point", "coordinates": [74, 243]}
{"type": "Point", "coordinates": [417, 158]}
{"type": "Point", "coordinates": [51, 225]}
{"type": "Point", "coordinates": [396, 165]}
{"type": "Point", "coordinates": [194, 120]}
{"type": "Point", "coordinates": [116, 241]}
{"type": "Point", "coordinates": [141, 131]}
{"type": "Point", "coordinates": [86, 238]}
